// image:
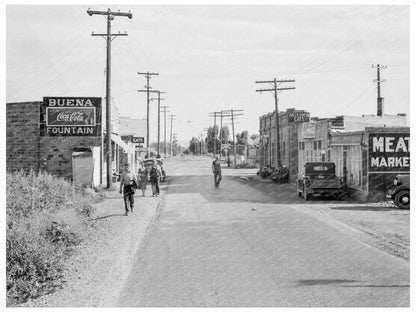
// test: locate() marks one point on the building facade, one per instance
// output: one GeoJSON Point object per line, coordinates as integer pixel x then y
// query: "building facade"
{"type": "Point", "coordinates": [370, 159]}
{"type": "Point", "coordinates": [60, 135]}
{"type": "Point", "coordinates": [289, 121]}
{"type": "Point", "coordinates": [315, 136]}
{"type": "Point", "coordinates": [344, 140]}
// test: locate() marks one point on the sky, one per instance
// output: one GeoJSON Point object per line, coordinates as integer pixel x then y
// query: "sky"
{"type": "Point", "coordinates": [209, 56]}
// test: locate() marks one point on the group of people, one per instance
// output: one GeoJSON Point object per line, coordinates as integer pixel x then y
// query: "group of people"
{"type": "Point", "coordinates": [129, 182]}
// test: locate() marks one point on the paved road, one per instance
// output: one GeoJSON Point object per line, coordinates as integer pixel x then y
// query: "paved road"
{"type": "Point", "coordinates": [209, 248]}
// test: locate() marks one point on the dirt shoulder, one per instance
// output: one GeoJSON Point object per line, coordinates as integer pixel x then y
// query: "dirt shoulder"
{"type": "Point", "coordinates": [96, 273]}
{"type": "Point", "coordinates": [379, 224]}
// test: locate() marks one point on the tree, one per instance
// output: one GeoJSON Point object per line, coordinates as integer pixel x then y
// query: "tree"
{"type": "Point", "coordinates": [225, 134]}
{"type": "Point", "coordinates": [242, 139]}
{"type": "Point", "coordinates": [254, 136]}
{"type": "Point", "coordinates": [212, 134]}
{"type": "Point", "coordinates": [193, 145]}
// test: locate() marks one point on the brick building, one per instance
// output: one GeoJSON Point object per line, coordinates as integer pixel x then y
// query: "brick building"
{"type": "Point", "coordinates": [288, 137]}
{"type": "Point", "coordinates": [62, 136]}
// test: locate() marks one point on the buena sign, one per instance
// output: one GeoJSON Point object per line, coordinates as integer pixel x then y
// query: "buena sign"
{"type": "Point", "coordinates": [389, 152]}
{"type": "Point", "coordinates": [70, 116]}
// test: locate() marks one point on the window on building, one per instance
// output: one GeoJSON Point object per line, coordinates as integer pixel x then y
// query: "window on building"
{"type": "Point", "coordinates": [315, 145]}
{"type": "Point", "coordinates": [319, 144]}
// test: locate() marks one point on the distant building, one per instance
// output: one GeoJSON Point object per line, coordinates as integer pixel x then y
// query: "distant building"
{"type": "Point", "coordinates": [135, 127]}
{"type": "Point", "coordinates": [134, 131]}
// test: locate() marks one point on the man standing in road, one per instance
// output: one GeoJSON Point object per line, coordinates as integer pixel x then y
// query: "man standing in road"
{"type": "Point", "coordinates": [216, 169]}
{"type": "Point", "coordinates": [128, 183]}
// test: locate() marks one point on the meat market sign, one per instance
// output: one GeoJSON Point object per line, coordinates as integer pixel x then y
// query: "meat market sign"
{"type": "Point", "coordinates": [71, 116]}
{"type": "Point", "coordinates": [389, 152]}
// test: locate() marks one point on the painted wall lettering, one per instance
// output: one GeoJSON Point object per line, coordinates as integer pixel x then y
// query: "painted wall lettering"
{"type": "Point", "coordinates": [389, 152]}
{"type": "Point", "coordinates": [70, 116]}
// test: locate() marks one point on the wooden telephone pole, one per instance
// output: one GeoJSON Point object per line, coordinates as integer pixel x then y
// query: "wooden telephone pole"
{"type": "Point", "coordinates": [164, 128]}
{"type": "Point", "coordinates": [380, 100]}
{"type": "Point", "coordinates": [215, 114]}
{"type": "Point", "coordinates": [233, 115]}
{"type": "Point", "coordinates": [148, 91]}
{"type": "Point", "coordinates": [275, 90]}
{"type": "Point", "coordinates": [109, 37]}
{"type": "Point", "coordinates": [158, 119]}
{"type": "Point", "coordinates": [171, 126]}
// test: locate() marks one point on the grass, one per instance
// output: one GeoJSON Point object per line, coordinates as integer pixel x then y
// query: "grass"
{"type": "Point", "coordinates": [46, 218]}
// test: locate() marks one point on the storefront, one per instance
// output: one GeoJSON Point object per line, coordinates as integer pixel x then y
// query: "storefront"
{"type": "Point", "coordinates": [60, 135]}
{"type": "Point", "coordinates": [370, 159]}
{"type": "Point", "coordinates": [289, 121]}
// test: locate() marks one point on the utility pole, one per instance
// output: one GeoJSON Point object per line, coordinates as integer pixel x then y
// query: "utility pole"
{"type": "Point", "coordinates": [171, 123]}
{"type": "Point", "coordinates": [147, 75]}
{"type": "Point", "coordinates": [109, 37]}
{"type": "Point", "coordinates": [158, 118]}
{"type": "Point", "coordinates": [232, 120]}
{"type": "Point", "coordinates": [200, 147]}
{"type": "Point", "coordinates": [224, 113]}
{"type": "Point", "coordinates": [206, 145]}
{"type": "Point", "coordinates": [275, 90]}
{"type": "Point", "coordinates": [175, 140]}
{"type": "Point", "coordinates": [380, 100]}
{"type": "Point", "coordinates": [221, 136]}
{"type": "Point", "coordinates": [164, 128]}
{"type": "Point", "coordinates": [215, 114]}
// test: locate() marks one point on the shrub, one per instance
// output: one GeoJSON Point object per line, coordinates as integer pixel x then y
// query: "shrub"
{"type": "Point", "coordinates": [46, 218]}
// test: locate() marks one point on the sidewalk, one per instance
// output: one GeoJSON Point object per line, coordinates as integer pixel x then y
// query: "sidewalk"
{"type": "Point", "coordinates": [97, 272]}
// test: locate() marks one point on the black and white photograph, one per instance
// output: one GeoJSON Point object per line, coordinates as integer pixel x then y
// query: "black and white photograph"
{"type": "Point", "coordinates": [208, 155]}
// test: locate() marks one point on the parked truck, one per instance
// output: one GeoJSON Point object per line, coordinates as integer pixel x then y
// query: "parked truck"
{"type": "Point", "coordinates": [319, 178]}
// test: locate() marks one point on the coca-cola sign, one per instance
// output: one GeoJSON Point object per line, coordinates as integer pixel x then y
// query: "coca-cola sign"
{"type": "Point", "coordinates": [70, 116]}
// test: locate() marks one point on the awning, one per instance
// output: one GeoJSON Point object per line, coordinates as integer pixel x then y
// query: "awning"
{"type": "Point", "coordinates": [116, 139]}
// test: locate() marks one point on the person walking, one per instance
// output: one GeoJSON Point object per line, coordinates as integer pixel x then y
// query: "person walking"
{"type": "Point", "coordinates": [155, 175]}
{"type": "Point", "coordinates": [128, 183]}
{"type": "Point", "coordinates": [143, 178]}
{"type": "Point", "coordinates": [216, 169]}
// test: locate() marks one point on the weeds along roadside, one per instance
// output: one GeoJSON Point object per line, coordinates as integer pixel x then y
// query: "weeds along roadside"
{"type": "Point", "coordinates": [47, 218]}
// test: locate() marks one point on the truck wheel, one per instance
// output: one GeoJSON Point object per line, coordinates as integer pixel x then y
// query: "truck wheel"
{"type": "Point", "coordinates": [305, 194]}
{"type": "Point", "coordinates": [402, 199]}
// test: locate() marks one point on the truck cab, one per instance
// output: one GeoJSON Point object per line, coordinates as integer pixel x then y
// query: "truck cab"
{"type": "Point", "coordinates": [319, 178]}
